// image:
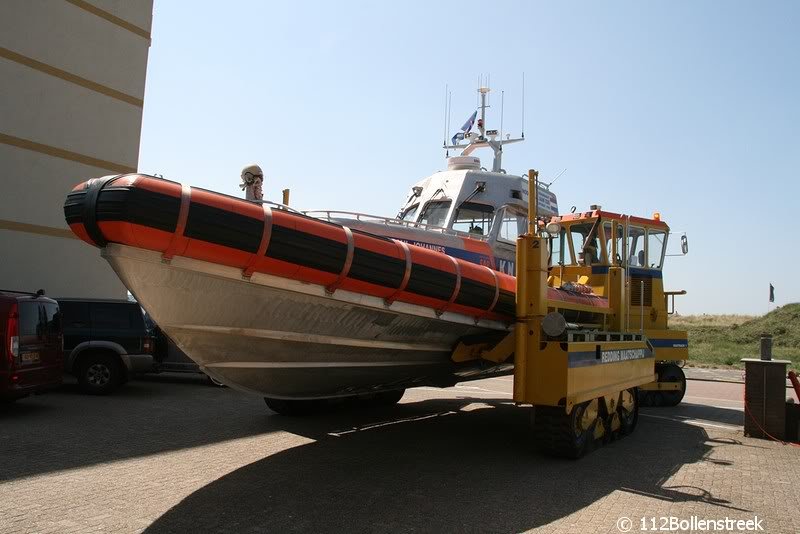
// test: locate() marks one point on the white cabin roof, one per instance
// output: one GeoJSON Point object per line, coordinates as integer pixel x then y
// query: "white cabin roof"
{"type": "Point", "coordinates": [499, 189]}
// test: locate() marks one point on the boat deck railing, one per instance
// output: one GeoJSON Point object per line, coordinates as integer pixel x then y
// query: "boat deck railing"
{"type": "Point", "coordinates": [335, 216]}
{"type": "Point", "coordinates": [277, 205]}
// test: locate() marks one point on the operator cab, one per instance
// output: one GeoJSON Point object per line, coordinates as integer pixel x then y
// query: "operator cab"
{"type": "Point", "coordinates": [584, 246]}
{"type": "Point", "coordinates": [592, 241]}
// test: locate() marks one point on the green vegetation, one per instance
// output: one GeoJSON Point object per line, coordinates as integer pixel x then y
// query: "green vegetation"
{"type": "Point", "coordinates": [723, 340]}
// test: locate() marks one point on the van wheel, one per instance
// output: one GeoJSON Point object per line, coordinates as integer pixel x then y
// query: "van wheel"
{"type": "Point", "coordinates": [100, 374]}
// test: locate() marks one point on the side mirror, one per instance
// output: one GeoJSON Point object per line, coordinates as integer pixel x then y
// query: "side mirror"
{"type": "Point", "coordinates": [684, 244]}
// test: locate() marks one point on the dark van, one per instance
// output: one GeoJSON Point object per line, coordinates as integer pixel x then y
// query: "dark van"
{"type": "Point", "coordinates": [105, 342]}
{"type": "Point", "coordinates": [31, 360]}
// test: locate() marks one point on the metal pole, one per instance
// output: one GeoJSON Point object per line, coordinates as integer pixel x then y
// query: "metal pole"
{"type": "Point", "coordinates": [641, 305]}
{"type": "Point", "coordinates": [483, 109]}
{"type": "Point", "coordinates": [614, 229]}
{"type": "Point", "coordinates": [626, 284]}
{"type": "Point", "coordinates": [764, 404]}
{"type": "Point", "coordinates": [533, 200]}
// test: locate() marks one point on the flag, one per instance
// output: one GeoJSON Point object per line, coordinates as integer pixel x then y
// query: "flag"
{"type": "Point", "coordinates": [465, 129]}
{"type": "Point", "coordinates": [771, 293]}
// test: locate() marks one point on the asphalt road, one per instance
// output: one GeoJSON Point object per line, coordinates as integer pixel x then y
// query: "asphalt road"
{"type": "Point", "coordinates": [169, 454]}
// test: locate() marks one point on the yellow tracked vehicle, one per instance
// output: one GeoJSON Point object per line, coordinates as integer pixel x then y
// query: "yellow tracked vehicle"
{"type": "Point", "coordinates": [587, 363]}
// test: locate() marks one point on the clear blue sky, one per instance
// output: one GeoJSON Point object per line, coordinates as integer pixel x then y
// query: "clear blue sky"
{"type": "Point", "coordinates": [686, 108]}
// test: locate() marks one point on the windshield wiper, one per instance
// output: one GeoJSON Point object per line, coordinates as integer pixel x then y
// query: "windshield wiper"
{"type": "Point", "coordinates": [480, 187]}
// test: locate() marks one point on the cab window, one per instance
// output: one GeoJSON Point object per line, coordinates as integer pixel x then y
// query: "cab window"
{"type": "Point", "coordinates": [512, 225]}
{"type": "Point", "coordinates": [559, 249]}
{"type": "Point", "coordinates": [586, 244]}
{"type": "Point", "coordinates": [608, 229]}
{"type": "Point", "coordinates": [435, 213]}
{"type": "Point", "coordinates": [636, 254]}
{"type": "Point", "coordinates": [473, 218]}
{"type": "Point", "coordinates": [656, 239]}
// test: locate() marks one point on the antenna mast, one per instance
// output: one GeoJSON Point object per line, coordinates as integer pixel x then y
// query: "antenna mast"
{"type": "Point", "coordinates": [449, 113]}
{"type": "Point", "coordinates": [523, 105]}
{"type": "Point", "coordinates": [502, 104]}
{"type": "Point", "coordinates": [557, 177]}
{"type": "Point", "coordinates": [485, 138]}
{"type": "Point", "coordinates": [444, 136]}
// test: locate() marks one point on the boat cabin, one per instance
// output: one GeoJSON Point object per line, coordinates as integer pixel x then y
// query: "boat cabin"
{"type": "Point", "coordinates": [464, 211]}
{"type": "Point", "coordinates": [471, 201]}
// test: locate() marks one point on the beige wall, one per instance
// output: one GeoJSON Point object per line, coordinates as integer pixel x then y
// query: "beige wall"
{"type": "Point", "coordinates": [71, 97]}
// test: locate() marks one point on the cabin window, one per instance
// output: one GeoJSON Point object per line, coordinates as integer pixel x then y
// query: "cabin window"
{"type": "Point", "coordinates": [559, 251]}
{"type": "Point", "coordinates": [577, 241]}
{"type": "Point", "coordinates": [435, 213]}
{"type": "Point", "coordinates": [586, 244]}
{"type": "Point", "coordinates": [656, 239]}
{"type": "Point", "coordinates": [635, 249]}
{"type": "Point", "coordinates": [512, 225]}
{"type": "Point", "coordinates": [410, 214]}
{"type": "Point", "coordinates": [473, 218]}
{"type": "Point", "coordinates": [608, 229]}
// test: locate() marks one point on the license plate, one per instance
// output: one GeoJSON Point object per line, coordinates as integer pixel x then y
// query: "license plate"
{"type": "Point", "coordinates": [28, 357]}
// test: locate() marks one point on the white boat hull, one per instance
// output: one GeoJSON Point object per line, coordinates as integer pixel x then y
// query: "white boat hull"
{"type": "Point", "coordinates": [282, 338]}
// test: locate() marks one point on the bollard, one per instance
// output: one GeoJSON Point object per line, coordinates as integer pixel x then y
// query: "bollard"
{"type": "Point", "coordinates": [766, 347]}
{"type": "Point", "coordinates": [765, 398]}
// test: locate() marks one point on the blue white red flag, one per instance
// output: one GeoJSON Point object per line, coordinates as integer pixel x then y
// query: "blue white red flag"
{"type": "Point", "coordinates": [465, 129]}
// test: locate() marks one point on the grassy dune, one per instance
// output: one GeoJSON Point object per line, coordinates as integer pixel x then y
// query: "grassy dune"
{"type": "Point", "coordinates": [723, 340]}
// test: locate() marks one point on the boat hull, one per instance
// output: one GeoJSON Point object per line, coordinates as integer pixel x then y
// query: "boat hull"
{"type": "Point", "coordinates": [290, 306]}
{"type": "Point", "coordinates": [287, 339]}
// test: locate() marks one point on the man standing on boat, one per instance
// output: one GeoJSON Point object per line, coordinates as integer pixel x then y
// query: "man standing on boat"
{"type": "Point", "coordinates": [252, 180]}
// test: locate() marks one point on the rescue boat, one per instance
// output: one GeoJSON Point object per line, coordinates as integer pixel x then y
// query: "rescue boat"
{"type": "Point", "coordinates": [292, 305]}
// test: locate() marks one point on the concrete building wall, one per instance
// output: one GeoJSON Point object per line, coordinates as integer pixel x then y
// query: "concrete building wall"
{"type": "Point", "coordinates": [72, 78]}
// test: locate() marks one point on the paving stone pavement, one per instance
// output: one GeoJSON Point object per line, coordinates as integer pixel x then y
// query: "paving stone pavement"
{"type": "Point", "coordinates": [170, 454]}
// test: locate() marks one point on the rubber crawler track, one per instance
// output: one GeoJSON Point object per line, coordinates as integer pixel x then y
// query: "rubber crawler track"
{"type": "Point", "coordinates": [554, 434]}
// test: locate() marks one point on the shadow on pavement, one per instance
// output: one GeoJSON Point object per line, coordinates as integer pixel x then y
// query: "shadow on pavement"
{"type": "Point", "coordinates": [66, 429]}
{"type": "Point", "coordinates": [436, 465]}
